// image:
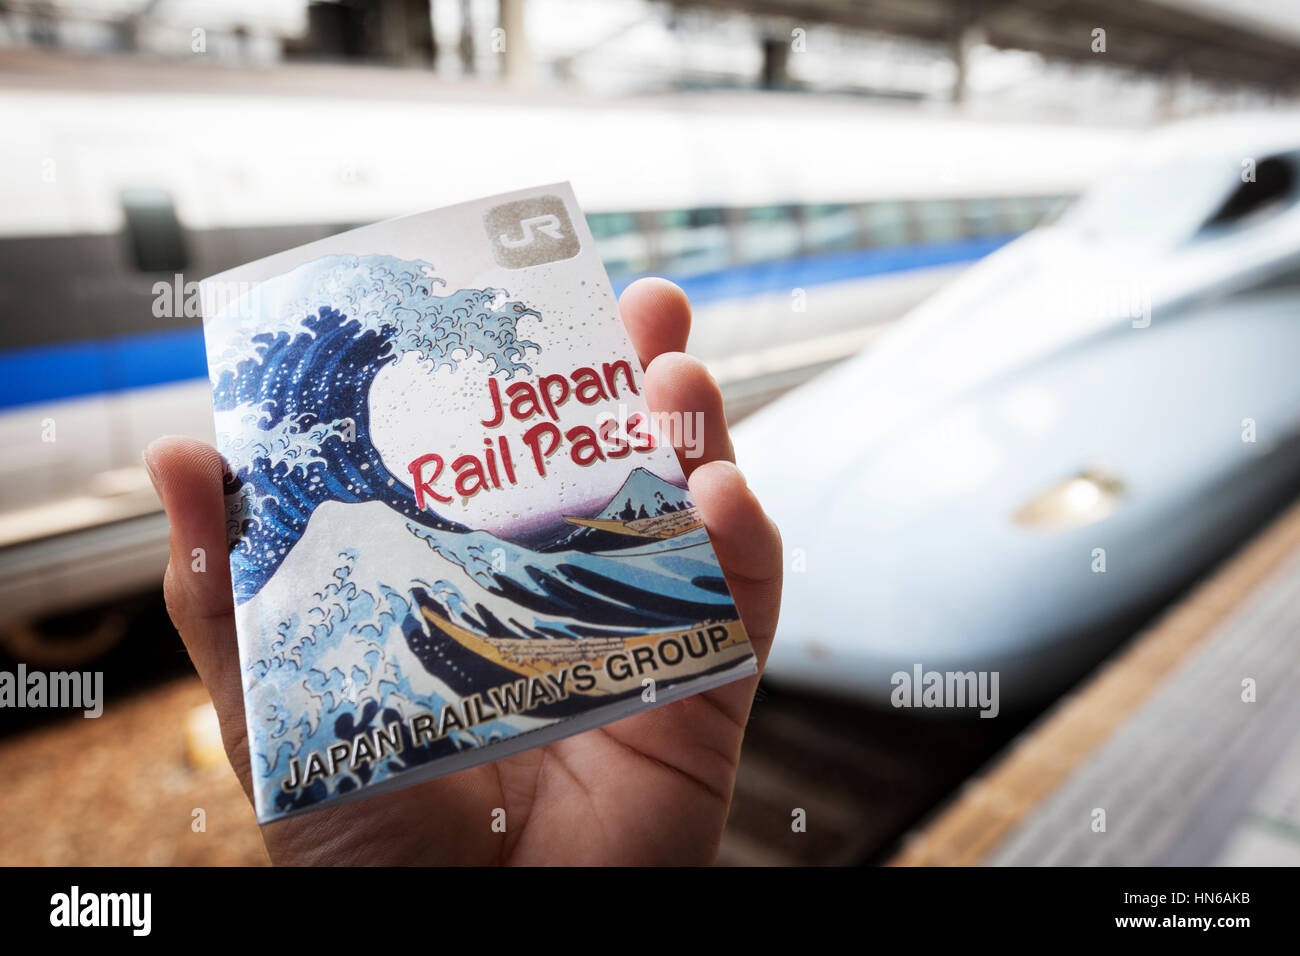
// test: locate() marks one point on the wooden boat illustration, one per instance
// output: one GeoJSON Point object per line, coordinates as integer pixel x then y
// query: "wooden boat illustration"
{"type": "Point", "coordinates": [668, 525]}
{"type": "Point", "coordinates": [616, 664]}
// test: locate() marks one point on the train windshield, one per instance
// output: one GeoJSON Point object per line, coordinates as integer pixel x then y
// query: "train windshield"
{"type": "Point", "coordinates": [1159, 204]}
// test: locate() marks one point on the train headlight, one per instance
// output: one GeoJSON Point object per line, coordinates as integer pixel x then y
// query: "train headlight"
{"type": "Point", "coordinates": [1084, 499]}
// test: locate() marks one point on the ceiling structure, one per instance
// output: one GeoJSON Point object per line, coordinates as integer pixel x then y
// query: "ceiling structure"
{"type": "Point", "coordinates": [1203, 38]}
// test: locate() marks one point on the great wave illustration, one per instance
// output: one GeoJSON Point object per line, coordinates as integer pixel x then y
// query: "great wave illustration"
{"type": "Point", "coordinates": [356, 608]}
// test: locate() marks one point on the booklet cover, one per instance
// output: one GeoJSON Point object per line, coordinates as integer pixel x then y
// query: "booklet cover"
{"type": "Point", "coordinates": [456, 532]}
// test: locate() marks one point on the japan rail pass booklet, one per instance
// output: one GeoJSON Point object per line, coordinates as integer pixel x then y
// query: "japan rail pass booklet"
{"type": "Point", "coordinates": [456, 533]}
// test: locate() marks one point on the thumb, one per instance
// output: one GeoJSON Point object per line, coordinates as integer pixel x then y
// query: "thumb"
{"type": "Point", "coordinates": [187, 475]}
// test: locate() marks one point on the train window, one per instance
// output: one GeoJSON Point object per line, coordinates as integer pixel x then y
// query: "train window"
{"type": "Point", "coordinates": [153, 230]}
{"type": "Point", "coordinates": [1046, 208]}
{"type": "Point", "coordinates": [622, 245]}
{"type": "Point", "coordinates": [938, 220]}
{"type": "Point", "coordinates": [1272, 187]}
{"type": "Point", "coordinates": [831, 228]}
{"type": "Point", "coordinates": [606, 225]}
{"type": "Point", "coordinates": [768, 234]}
{"type": "Point", "coordinates": [693, 240]}
{"type": "Point", "coordinates": [886, 223]}
{"type": "Point", "coordinates": [1020, 213]}
{"type": "Point", "coordinates": [1051, 208]}
{"type": "Point", "coordinates": [982, 217]}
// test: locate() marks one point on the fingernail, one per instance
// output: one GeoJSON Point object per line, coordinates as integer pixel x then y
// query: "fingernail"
{"type": "Point", "coordinates": [149, 468]}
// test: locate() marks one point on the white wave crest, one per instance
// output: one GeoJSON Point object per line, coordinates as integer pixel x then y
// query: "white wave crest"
{"type": "Point", "coordinates": [245, 435]}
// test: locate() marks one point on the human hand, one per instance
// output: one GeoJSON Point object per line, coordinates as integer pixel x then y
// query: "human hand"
{"type": "Point", "coordinates": [649, 789]}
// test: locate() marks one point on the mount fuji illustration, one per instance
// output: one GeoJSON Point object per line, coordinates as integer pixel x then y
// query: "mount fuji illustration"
{"type": "Point", "coordinates": [645, 506]}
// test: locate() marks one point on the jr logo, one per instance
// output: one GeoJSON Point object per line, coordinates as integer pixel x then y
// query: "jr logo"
{"type": "Point", "coordinates": [547, 225]}
{"type": "Point", "coordinates": [531, 232]}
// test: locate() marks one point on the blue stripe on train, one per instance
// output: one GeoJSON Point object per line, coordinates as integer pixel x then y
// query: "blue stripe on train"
{"type": "Point", "coordinates": [763, 277]}
{"type": "Point", "coordinates": [76, 369]}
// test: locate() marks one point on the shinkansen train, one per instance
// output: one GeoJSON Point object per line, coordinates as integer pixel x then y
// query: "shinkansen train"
{"type": "Point", "coordinates": [1026, 466]}
{"type": "Point", "coordinates": [799, 228]}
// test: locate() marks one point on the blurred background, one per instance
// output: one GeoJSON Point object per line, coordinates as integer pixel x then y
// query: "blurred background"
{"type": "Point", "coordinates": [1003, 297]}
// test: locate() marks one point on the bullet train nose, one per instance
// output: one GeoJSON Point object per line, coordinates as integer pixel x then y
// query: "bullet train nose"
{"type": "Point", "coordinates": [876, 585]}
{"type": "Point", "coordinates": [1005, 483]}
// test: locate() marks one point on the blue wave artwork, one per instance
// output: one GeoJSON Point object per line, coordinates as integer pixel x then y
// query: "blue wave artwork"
{"type": "Point", "coordinates": [345, 590]}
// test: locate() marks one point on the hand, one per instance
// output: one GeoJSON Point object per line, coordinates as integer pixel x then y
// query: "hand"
{"type": "Point", "coordinates": [649, 789]}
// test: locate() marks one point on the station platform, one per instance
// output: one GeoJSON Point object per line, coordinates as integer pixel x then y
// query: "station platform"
{"type": "Point", "coordinates": [1183, 750]}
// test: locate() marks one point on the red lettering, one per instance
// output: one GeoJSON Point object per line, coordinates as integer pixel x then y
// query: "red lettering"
{"type": "Point", "coordinates": [533, 439]}
{"type": "Point", "coordinates": [470, 479]}
{"type": "Point", "coordinates": [523, 401]}
{"type": "Point", "coordinates": [423, 487]}
{"type": "Point", "coordinates": [586, 449]}
{"type": "Point", "coordinates": [586, 386]}
{"type": "Point", "coordinates": [546, 381]}
{"type": "Point", "coordinates": [609, 368]}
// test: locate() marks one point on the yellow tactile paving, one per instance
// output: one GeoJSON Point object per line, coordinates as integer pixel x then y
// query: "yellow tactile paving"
{"type": "Point", "coordinates": [992, 804]}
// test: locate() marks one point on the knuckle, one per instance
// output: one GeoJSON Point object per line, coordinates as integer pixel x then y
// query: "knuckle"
{"type": "Point", "coordinates": [173, 593]}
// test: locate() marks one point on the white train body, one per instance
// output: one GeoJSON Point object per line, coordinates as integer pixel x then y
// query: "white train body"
{"type": "Point", "coordinates": [1064, 436]}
